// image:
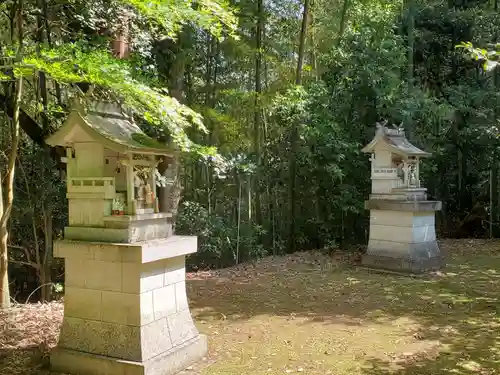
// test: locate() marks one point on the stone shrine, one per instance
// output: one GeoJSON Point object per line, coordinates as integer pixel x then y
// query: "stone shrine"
{"type": "Point", "coordinates": [402, 220]}
{"type": "Point", "coordinates": [125, 307]}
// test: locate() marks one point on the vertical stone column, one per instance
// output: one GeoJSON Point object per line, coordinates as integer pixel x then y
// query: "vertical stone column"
{"type": "Point", "coordinates": [126, 309]}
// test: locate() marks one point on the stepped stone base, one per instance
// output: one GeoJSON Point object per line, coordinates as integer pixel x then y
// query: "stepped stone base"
{"type": "Point", "coordinates": [403, 237]}
{"type": "Point", "coordinates": [403, 264]}
{"type": "Point", "coordinates": [126, 310]}
{"type": "Point", "coordinates": [167, 363]}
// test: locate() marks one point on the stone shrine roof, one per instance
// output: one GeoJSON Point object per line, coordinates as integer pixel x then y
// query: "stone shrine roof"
{"type": "Point", "coordinates": [106, 123]}
{"type": "Point", "coordinates": [396, 140]}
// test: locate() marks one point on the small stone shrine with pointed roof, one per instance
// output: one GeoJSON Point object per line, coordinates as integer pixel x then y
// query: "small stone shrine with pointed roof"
{"type": "Point", "coordinates": [125, 306]}
{"type": "Point", "coordinates": [402, 220]}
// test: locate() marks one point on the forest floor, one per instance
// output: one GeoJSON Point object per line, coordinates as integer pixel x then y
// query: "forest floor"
{"type": "Point", "coordinates": [315, 314]}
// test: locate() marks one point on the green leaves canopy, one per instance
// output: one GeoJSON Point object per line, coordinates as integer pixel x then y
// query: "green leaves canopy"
{"type": "Point", "coordinates": [70, 64]}
{"type": "Point", "coordinates": [171, 15]}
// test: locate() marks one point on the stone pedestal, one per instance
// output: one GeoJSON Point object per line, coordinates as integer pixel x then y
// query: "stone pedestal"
{"type": "Point", "coordinates": [403, 236]}
{"type": "Point", "coordinates": [125, 310]}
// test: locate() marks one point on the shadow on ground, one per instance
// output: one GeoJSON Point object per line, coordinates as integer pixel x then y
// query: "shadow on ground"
{"type": "Point", "coordinates": [456, 309]}
{"type": "Point", "coordinates": [319, 315]}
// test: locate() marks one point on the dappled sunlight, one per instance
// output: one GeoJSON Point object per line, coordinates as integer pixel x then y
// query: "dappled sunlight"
{"type": "Point", "coordinates": [345, 320]}
{"type": "Point", "coordinates": [310, 314]}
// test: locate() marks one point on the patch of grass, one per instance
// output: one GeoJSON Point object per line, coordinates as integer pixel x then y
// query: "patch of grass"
{"type": "Point", "coordinates": [324, 318]}
{"type": "Point", "coordinates": [316, 315]}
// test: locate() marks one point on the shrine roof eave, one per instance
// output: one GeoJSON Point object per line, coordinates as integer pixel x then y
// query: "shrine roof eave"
{"type": "Point", "coordinates": [400, 147]}
{"type": "Point", "coordinates": [100, 134]}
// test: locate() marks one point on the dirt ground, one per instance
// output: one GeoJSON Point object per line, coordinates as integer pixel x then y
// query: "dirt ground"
{"type": "Point", "coordinates": [315, 314]}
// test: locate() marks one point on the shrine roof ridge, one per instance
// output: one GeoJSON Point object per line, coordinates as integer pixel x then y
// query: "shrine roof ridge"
{"type": "Point", "coordinates": [110, 124]}
{"type": "Point", "coordinates": [396, 140]}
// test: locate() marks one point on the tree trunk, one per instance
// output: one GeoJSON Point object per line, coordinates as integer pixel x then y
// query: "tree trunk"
{"type": "Point", "coordinates": [213, 91]}
{"type": "Point", "coordinates": [257, 108]}
{"type": "Point", "coordinates": [294, 140]}
{"type": "Point", "coordinates": [11, 166]}
{"type": "Point", "coordinates": [46, 267]}
{"type": "Point", "coordinates": [494, 198]}
{"type": "Point", "coordinates": [343, 22]}
{"type": "Point", "coordinates": [42, 80]}
{"type": "Point", "coordinates": [4, 263]}
{"type": "Point", "coordinates": [302, 43]}
{"type": "Point", "coordinates": [312, 42]}
{"type": "Point", "coordinates": [9, 193]}
{"type": "Point", "coordinates": [494, 165]}
{"type": "Point", "coordinates": [411, 46]}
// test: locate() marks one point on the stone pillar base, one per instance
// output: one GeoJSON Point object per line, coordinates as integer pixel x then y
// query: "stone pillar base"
{"type": "Point", "coordinates": [126, 310]}
{"type": "Point", "coordinates": [168, 363]}
{"type": "Point", "coordinates": [403, 236]}
{"type": "Point", "coordinates": [406, 265]}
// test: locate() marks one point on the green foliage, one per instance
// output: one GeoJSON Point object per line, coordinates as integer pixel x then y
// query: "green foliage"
{"type": "Point", "coordinates": [212, 15]}
{"type": "Point", "coordinates": [217, 238]}
{"type": "Point", "coordinates": [71, 64]}
{"type": "Point", "coordinates": [40, 194]}
{"type": "Point", "coordinates": [356, 67]}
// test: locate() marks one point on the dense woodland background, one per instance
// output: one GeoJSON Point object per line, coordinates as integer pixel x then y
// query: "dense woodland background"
{"type": "Point", "coordinates": [289, 92]}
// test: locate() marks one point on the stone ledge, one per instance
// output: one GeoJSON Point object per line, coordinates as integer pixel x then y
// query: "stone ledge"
{"type": "Point", "coordinates": [406, 265]}
{"type": "Point", "coordinates": [167, 363]}
{"type": "Point", "coordinates": [408, 206]}
{"type": "Point", "coordinates": [406, 250]}
{"type": "Point", "coordinates": [139, 217]}
{"type": "Point", "coordinates": [138, 252]}
{"type": "Point", "coordinates": [147, 231]}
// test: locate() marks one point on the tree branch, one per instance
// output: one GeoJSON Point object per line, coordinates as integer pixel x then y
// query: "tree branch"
{"type": "Point", "coordinates": [26, 253]}
{"type": "Point", "coordinates": [20, 262]}
{"type": "Point", "coordinates": [31, 128]}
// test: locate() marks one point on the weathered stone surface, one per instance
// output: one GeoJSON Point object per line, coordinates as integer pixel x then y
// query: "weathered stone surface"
{"type": "Point", "coordinates": [131, 311]}
{"type": "Point", "coordinates": [121, 308]}
{"type": "Point", "coordinates": [73, 275]}
{"type": "Point", "coordinates": [83, 303]}
{"type": "Point", "coordinates": [131, 277]}
{"type": "Point", "coordinates": [167, 363]}
{"type": "Point", "coordinates": [402, 218]}
{"type": "Point", "coordinates": [403, 264]}
{"type": "Point", "coordinates": [155, 338]}
{"type": "Point", "coordinates": [182, 327]}
{"type": "Point", "coordinates": [181, 296]}
{"type": "Point", "coordinates": [126, 221]}
{"type": "Point", "coordinates": [397, 205]}
{"type": "Point", "coordinates": [136, 231]}
{"type": "Point", "coordinates": [152, 251]}
{"type": "Point", "coordinates": [106, 276]}
{"type": "Point", "coordinates": [410, 257]}
{"type": "Point", "coordinates": [179, 358]}
{"type": "Point", "coordinates": [164, 301]}
{"type": "Point", "coordinates": [403, 234]}
{"type": "Point", "coordinates": [139, 252]}
{"type": "Point", "coordinates": [175, 270]}
{"type": "Point", "coordinates": [79, 363]}
{"type": "Point", "coordinates": [147, 308]}
{"type": "Point", "coordinates": [101, 338]}
{"type": "Point", "coordinates": [403, 239]}
{"type": "Point", "coordinates": [152, 276]}
{"type": "Point", "coordinates": [401, 194]}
